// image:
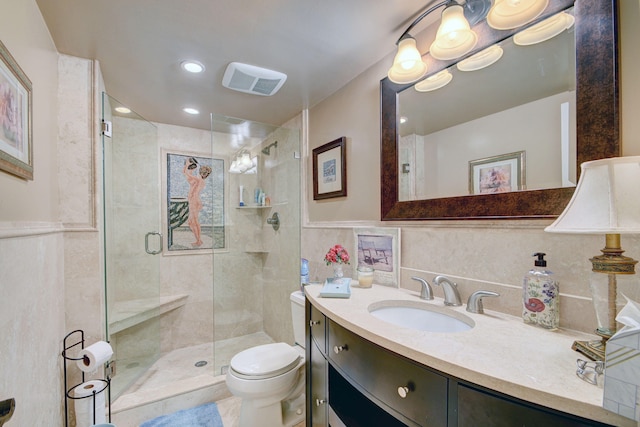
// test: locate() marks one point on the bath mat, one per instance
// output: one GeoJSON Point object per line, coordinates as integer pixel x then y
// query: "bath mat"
{"type": "Point", "coordinates": [201, 416]}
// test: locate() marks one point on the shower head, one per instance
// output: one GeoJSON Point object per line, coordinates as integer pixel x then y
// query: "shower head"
{"type": "Point", "coordinates": [266, 150]}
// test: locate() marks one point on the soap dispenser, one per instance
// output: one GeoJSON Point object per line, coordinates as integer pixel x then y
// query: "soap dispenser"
{"type": "Point", "coordinates": [541, 299]}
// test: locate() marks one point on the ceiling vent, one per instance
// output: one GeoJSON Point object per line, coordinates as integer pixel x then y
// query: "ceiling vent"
{"type": "Point", "coordinates": [252, 79]}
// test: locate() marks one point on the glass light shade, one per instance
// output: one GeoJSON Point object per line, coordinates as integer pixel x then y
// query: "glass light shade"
{"type": "Point", "coordinates": [454, 37]}
{"type": "Point", "coordinates": [482, 59]}
{"type": "Point", "coordinates": [434, 82]}
{"type": "Point", "coordinates": [234, 168]}
{"type": "Point", "coordinates": [245, 161]}
{"type": "Point", "coordinates": [407, 65]}
{"type": "Point", "coordinates": [509, 14]}
{"type": "Point", "coordinates": [606, 199]}
{"type": "Point", "coordinates": [544, 30]}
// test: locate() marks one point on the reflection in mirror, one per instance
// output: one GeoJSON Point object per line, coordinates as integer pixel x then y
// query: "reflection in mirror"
{"type": "Point", "coordinates": [524, 102]}
{"type": "Point", "coordinates": [596, 132]}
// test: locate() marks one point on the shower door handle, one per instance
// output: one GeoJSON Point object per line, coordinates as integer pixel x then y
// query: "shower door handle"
{"type": "Point", "coordinates": [146, 243]}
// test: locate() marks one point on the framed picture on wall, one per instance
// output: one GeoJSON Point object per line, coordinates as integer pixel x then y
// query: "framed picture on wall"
{"type": "Point", "coordinates": [379, 248]}
{"type": "Point", "coordinates": [16, 155]}
{"type": "Point", "coordinates": [330, 170]}
{"type": "Point", "coordinates": [497, 174]}
{"type": "Point", "coordinates": [194, 204]}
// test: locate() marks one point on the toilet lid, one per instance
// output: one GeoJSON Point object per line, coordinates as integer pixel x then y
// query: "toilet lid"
{"type": "Point", "coordinates": [265, 360]}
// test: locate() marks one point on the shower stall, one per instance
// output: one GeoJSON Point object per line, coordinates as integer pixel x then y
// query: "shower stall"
{"type": "Point", "coordinates": [192, 275]}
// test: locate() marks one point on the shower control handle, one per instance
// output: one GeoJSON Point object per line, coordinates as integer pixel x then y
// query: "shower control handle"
{"type": "Point", "coordinates": [274, 221]}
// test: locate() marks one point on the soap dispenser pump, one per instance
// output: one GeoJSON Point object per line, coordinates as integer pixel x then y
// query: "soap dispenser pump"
{"type": "Point", "coordinates": [541, 299]}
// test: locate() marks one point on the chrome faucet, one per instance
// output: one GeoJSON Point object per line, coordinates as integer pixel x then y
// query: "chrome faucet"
{"type": "Point", "coordinates": [426, 292]}
{"type": "Point", "coordinates": [451, 294]}
{"type": "Point", "coordinates": [474, 303]}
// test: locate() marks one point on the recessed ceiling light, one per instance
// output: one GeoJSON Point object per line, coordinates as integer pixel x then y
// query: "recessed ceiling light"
{"type": "Point", "coordinates": [123, 110]}
{"type": "Point", "coordinates": [190, 110]}
{"type": "Point", "coordinates": [192, 66]}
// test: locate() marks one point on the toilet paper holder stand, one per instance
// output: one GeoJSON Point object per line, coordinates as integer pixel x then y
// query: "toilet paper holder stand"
{"type": "Point", "coordinates": [75, 340]}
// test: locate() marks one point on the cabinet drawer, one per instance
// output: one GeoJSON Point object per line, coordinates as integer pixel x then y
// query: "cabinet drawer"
{"type": "Point", "coordinates": [317, 328]}
{"type": "Point", "coordinates": [382, 373]}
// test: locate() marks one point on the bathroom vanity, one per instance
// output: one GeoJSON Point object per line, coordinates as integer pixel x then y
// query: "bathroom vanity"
{"type": "Point", "coordinates": [363, 371]}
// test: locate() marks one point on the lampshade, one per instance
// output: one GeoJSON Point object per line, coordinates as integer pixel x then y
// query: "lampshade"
{"type": "Point", "coordinates": [454, 37]}
{"type": "Point", "coordinates": [407, 65]}
{"type": "Point", "coordinates": [509, 14]}
{"type": "Point", "coordinates": [606, 200]}
{"type": "Point", "coordinates": [544, 30]}
{"type": "Point", "coordinates": [434, 82]}
{"type": "Point", "coordinates": [482, 59]}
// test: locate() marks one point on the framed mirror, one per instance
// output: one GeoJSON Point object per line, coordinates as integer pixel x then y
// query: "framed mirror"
{"type": "Point", "coordinates": [596, 126]}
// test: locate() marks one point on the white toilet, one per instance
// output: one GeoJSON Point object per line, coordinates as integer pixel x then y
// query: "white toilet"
{"type": "Point", "coordinates": [270, 378]}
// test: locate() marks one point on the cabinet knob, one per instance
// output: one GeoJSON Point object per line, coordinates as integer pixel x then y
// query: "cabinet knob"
{"type": "Point", "coordinates": [320, 402]}
{"type": "Point", "coordinates": [314, 322]}
{"type": "Point", "coordinates": [403, 391]}
{"type": "Point", "coordinates": [338, 348]}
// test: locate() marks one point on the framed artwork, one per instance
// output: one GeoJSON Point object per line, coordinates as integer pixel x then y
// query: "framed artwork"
{"type": "Point", "coordinates": [497, 174]}
{"type": "Point", "coordinates": [330, 170]}
{"type": "Point", "coordinates": [194, 202]}
{"type": "Point", "coordinates": [379, 248]}
{"type": "Point", "coordinates": [16, 156]}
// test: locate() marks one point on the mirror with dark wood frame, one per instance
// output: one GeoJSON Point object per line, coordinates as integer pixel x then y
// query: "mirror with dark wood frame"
{"type": "Point", "coordinates": [597, 125]}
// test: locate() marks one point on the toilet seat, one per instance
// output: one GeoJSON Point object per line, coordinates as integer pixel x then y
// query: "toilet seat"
{"type": "Point", "coordinates": [264, 361]}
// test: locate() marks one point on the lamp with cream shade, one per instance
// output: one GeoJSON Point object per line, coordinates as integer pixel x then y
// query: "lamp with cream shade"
{"type": "Point", "coordinates": [606, 201]}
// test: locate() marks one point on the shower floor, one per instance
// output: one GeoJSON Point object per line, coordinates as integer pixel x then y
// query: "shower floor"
{"type": "Point", "coordinates": [176, 372]}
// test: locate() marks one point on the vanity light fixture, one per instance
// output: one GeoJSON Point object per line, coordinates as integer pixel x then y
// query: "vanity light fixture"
{"type": "Point", "coordinates": [510, 14]}
{"type": "Point", "coordinates": [192, 66]}
{"type": "Point", "coordinates": [606, 201]}
{"type": "Point", "coordinates": [454, 39]}
{"type": "Point", "coordinates": [434, 82]}
{"type": "Point", "coordinates": [244, 163]}
{"type": "Point", "coordinates": [545, 30]}
{"type": "Point", "coordinates": [482, 59]}
{"type": "Point", "coordinates": [190, 110]}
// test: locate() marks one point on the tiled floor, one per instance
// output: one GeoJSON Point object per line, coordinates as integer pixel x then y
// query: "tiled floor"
{"type": "Point", "coordinates": [172, 377]}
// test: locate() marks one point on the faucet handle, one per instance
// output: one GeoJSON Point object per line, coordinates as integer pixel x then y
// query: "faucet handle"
{"type": "Point", "coordinates": [426, 292]}
{"type": "Point", "coordinates": [474, 303]}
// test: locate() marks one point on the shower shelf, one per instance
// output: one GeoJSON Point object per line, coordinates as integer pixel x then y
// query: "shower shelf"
{"type": "Point", "coordinates": [126, 314]}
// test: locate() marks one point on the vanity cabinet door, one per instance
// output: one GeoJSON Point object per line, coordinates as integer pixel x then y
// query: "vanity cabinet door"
{"type": "Point", "coordinates": [400, 386]}
{"type": "Point", "coordinates": [317, 327]}
{"type": "Point", "coordinates": [319, 388]}
{"type": "Point", "coordinates": [480, 408]}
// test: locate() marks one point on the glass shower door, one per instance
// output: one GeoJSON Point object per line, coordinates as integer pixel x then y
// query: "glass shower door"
{"type": "Point", "coordinates": [132, 242]}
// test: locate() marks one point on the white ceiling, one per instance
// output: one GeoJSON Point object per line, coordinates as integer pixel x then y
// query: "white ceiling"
{"type": "Point", "coordinates": [320, 44]}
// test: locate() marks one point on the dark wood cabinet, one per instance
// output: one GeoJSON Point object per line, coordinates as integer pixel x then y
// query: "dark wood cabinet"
{"type": "Point", "coordinates": [363, 384]}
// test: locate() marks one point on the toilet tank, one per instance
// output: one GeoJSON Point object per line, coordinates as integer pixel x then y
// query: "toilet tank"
{"type": "Point", "coordinates": [297, 316]}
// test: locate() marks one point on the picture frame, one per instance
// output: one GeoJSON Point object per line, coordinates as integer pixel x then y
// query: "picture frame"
{"type": "Point", "coordinates": [16, 135]}
{"type": "Point", "coordinates": [182, 234]}
{"type": "Point", "coordinates": [379, 248]}
{"type": "Point", "coordinates": [330, 170]}
{"type": "Point", "coordinates": [498, 174]}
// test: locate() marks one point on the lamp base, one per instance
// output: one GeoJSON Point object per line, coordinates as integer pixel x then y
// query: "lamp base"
{"type": "Point", "coordinates": [594, 350]}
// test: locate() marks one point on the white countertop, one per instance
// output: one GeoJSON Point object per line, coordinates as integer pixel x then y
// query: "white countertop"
{"type": "Point", "coordinates": [501, 352]}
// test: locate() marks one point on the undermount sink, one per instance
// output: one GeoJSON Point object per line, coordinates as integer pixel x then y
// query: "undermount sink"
{"type": "Point", "coordinates": [420, 316]}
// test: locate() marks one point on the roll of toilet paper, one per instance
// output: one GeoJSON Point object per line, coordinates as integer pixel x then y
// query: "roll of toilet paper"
{"type": "Point", "coordinates": [84, 403]}
{"type": "Point", "coordinates": [94, 356]}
